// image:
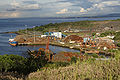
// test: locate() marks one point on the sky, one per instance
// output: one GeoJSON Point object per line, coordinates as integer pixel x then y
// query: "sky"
{"type": "Point", "coordinates": [57, 8]}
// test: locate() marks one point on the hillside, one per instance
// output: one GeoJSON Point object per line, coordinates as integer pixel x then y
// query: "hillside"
{"type": "Point", "coordinates": [80, 25]}
{"type": "Point", "coordinates": [89, 70]}
{"type": "Point", "coordinates": [77, 69]}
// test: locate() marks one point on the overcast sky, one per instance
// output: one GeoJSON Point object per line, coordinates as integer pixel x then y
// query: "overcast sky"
{"type": "Point", "coordinates": [57, 8]}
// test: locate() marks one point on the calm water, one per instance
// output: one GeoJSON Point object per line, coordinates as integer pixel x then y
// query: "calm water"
{"type": "Point", "coordinates": [5, 48]}
{"type": "Point", "coordinates": [17, 24]}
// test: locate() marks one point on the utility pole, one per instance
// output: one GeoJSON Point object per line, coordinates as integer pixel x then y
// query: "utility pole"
{"type": "Point", "coordinates": [34, 33]}
{"type": "Point", "coordinates": [26, 29]}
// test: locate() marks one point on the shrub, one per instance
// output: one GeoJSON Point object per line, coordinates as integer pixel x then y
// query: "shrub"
{"type": "Point", "coordinates": [10, 63]}
{"type": "Point", "coordinates": [93, 34]}
{"type": "Point", "coordinates": [118, 44]}
{"type": "Point", "coordinates": [117, 36]}
{"type": "Point", "coordinates": [107, 33]}
{"type": "Point", "coordinates": [94, 55]}
{"type": "Point", "coordinates": [86, 54]}
{"type": "Point", "coordinates": [73, 60]}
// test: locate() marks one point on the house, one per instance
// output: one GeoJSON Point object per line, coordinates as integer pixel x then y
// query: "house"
{"type": "Point", "coordinates": [56, 34]}
{"type": "Point", "coordinates": [52, 34]}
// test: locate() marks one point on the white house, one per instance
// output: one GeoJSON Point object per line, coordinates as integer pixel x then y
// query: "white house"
{"type": "Point", "coordinates": [57, 34]}
{"type": "Point", "coordinates": [54, 34]}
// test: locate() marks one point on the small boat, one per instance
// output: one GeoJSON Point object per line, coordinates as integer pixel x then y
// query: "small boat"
{"type": "Point", "coordinates": [12, 42]}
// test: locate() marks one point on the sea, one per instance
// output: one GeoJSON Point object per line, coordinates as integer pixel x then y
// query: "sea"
{"type": "Point", "coordinates": [15, 24]}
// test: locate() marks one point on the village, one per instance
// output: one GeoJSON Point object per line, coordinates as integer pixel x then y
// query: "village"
{"type": "Point", "coordinates": [87, 42]}
{"type": "Point", "coordinates": [97, 38]}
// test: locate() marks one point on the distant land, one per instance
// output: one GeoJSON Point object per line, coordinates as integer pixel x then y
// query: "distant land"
{"type": "Point", "coordinates": [111, 15]}
{"type": "Point", "coordinates": [97, 16]}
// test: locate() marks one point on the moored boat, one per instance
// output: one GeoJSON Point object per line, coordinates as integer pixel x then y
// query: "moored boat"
{"type": "Point", "coordinates": [12, 42]}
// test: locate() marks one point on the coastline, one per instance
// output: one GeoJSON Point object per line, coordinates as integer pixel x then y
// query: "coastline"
{"type": "Point", "coordinates": [82, 50]}
{"type": "Point", "coordinates": [82, 24]}
{"type": "Point", "coordinates": [15, 32]}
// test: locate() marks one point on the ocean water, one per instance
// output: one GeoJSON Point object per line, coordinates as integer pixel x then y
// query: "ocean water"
{"type": "Point", "coordinates": [15, 24]}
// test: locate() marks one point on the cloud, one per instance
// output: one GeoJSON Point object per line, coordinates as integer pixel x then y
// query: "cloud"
{"type": "Point", "coordinates": [15, 4]}
{"type": "Point", "coordinates": [31, 6]}
{"type": "Point", "coordinates": [63, 11]}
{"type": "Point", "coordinates": [95, 1]}
{"type": "Point", "coordinates": [53, 8]}
{"type": "Point", "coordinates": [11, 9]}
{"type": "Point", "coordinates": [86, 7]}
{"type": "Point", "coordinates": [29, 2]}
{"type": "Point", "coordinates": [82, 10]}
{"type": "Point", "coordinates": [24, 6]}
{"type": "Point", "coordinates": [9, 14]}
{"type": "Point", "coordinates": [108, 3]}
{"type": "Point", "coordinates": [15, 14]}
{"type": "Point", "coordinates": [103, 7]}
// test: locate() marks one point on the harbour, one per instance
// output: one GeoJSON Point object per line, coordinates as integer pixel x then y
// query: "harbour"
{"type": "Point", "coordinates": [6, 25]}
{"type": "Point", "coordinates": [6, 48]}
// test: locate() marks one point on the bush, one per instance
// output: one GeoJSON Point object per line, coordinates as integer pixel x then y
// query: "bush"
{"type": "Point", "coordinates": [86, 54]}
{"type": "Point", "coordinates": [93, 34]}
{"type": "Point", "coordinates": [94, 55]}
{"type": "Point", "coordinates": [107, 33]}
{"type": "Point", "coordinates": [12, 63]}
{"type": "Point", "coordinates": [118, 44]}
{"type": "Point", "coordinates": [74, 60]}
{"type": "Point", "coordinates": [117, 36]}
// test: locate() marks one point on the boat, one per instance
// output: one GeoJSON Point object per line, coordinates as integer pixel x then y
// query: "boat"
{"type": "Point", "coordinates": [13, 42]}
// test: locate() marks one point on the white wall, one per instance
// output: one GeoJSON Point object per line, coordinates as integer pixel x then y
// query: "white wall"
{"type": "Point", "coordinates": [57, 34]}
